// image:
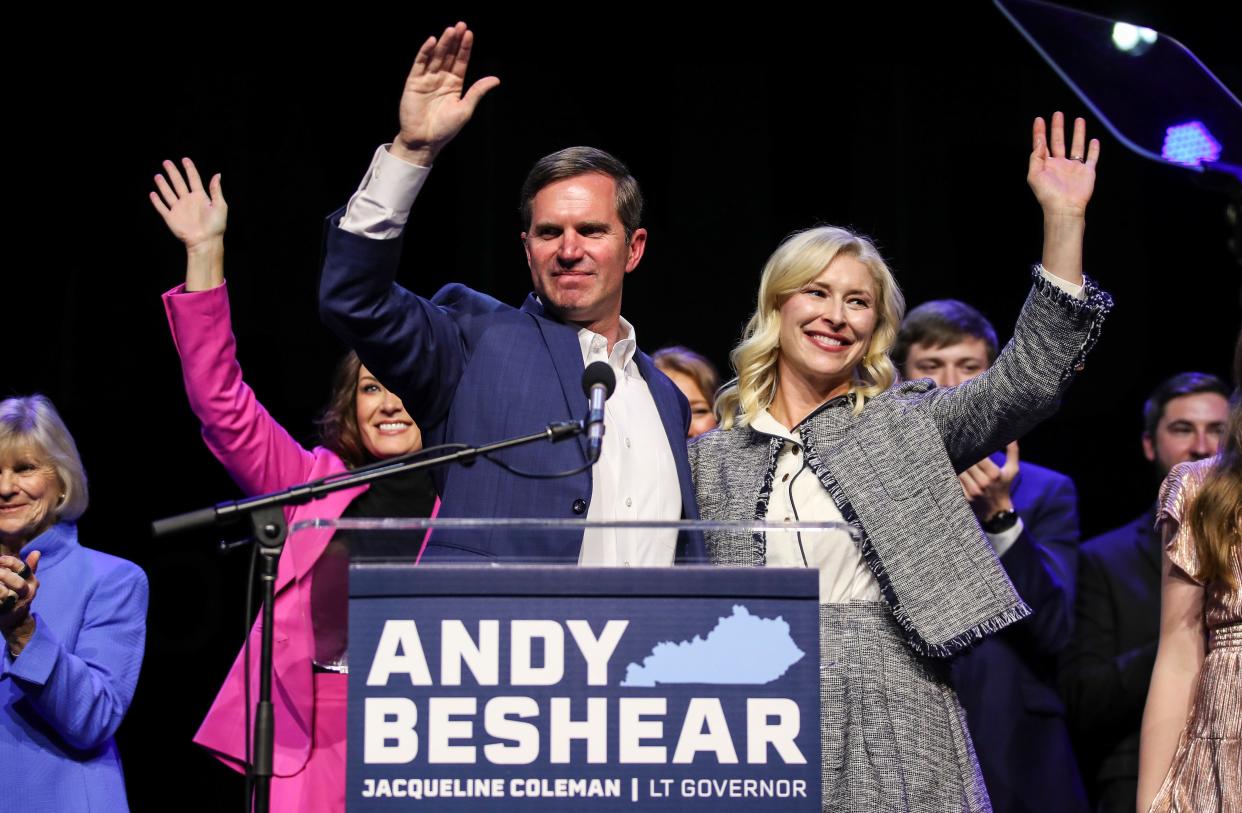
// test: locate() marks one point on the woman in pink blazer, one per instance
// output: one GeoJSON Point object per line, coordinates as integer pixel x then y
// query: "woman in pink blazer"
{"type": "Point", "coordinates": [363, 422]}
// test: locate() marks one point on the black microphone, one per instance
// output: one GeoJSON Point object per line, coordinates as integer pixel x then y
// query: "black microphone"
{"type": "Point", "coordinates": [598, 382]}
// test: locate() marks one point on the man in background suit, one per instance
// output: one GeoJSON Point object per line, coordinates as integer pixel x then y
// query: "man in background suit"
{"type": "Point", "coordinates": [1107, 666]}
{"type": "Point", "coordinates": [1030, 514]}
{"type": "Point", "coordinates": [472, 370]}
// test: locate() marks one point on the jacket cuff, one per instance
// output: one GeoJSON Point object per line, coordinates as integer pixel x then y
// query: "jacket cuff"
{"type": "Point", "coordinates": [38, 658]}
{"type": "Point", "coordinates": [1090, 310]}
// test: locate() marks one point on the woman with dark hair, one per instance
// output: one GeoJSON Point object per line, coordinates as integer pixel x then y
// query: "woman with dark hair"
{"type": "Point", "coordinates": [1190, 754]}
{"type": "Point", "coordinates": [73, 622]}
{"type": "Point", "coordinates": [697, 379]}
{"type": "Point", "coordinates": [815, 428]}
{"type": "Point", "coordinates": [363, 422]}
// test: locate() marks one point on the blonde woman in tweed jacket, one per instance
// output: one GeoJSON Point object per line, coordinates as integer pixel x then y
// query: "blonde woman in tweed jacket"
{"type": "Point", "coordinates": [815, 429]}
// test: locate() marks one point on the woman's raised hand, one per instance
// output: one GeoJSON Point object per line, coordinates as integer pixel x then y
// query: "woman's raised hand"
{"type": "Point", "coordinates": [1062, 182]}
{"type": "Point", "coordinates": [196, 216]}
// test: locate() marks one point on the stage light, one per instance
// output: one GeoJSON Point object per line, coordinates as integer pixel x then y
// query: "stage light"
{"type": "Point", "coordinates": [1133, 39]}
{"type": "Point", "coordinates": [1189, 144]}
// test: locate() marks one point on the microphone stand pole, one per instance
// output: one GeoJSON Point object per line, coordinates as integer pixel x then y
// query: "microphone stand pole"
{"type": "Point", "coordinates": [266, 515]}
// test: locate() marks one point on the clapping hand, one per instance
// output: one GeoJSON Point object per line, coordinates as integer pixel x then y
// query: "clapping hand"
{"type": "Point", "coordinates": [18, 586]}
{"type": "Point", "coordinates": [988, 487]}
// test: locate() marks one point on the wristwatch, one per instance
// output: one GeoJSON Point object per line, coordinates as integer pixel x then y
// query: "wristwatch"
{"type": "Point", "coordinates": [1000, 522]}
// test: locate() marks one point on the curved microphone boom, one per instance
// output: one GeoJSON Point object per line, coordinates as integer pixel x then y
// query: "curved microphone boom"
{"type": "Point", "coordinates": [598, 382]}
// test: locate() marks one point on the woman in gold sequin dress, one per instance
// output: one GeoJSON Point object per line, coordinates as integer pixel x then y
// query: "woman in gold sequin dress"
{"type": "Point", "coordinates": [1191, 753]}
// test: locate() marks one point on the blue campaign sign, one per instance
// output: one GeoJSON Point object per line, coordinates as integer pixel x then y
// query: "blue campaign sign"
{"type": "Point", "coordinates": [557, 688]}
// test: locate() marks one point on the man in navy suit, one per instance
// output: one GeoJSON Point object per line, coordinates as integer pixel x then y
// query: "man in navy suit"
{"type": "Point", "coordinates": [472, 370]}
{"type": "Point", "coordinates": [1007, 684]}
{"type": "Point", "coordinates": [1107, 666]}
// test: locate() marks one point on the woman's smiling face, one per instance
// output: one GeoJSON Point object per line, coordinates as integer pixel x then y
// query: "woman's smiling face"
{"type": "Point", "coordinates": [29, 492]}
{"type": "Point", "coordinates": [387, 430]}
{"type": "Point", "coordinates": [826, 328]}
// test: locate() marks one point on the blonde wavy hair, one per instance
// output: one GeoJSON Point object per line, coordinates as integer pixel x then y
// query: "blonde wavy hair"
{"type": "Point", "coordinates": [801, 258]}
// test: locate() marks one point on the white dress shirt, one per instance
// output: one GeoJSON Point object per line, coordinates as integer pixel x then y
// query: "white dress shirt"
{"type": "Point", "coordinates": [381, 206]}
{"type": "Point", "coordinates": [636, 475]}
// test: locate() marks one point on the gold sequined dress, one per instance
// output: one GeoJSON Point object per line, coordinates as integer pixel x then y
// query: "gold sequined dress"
{"type": "Point", "coordinates": [1206, 773]}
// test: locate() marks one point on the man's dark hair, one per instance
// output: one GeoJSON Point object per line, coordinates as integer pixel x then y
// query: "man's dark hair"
{"type": "Point", "coordinates": [574, 161]}
{"type": "Point", "coordinates": [940, 323]}
{"type": "Point", "coordinates": [1175, 387]}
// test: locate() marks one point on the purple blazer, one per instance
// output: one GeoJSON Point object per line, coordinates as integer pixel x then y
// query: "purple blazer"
{"type": "Point", "coordinates": [63, 698]}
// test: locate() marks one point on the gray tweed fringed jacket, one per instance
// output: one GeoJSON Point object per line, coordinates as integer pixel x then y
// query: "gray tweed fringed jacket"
{"type": "Point", "coordinates": [892, 471]}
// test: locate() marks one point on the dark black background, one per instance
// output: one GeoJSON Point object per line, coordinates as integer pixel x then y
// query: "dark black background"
{"type": "Point", "coordinates": [910, 126]}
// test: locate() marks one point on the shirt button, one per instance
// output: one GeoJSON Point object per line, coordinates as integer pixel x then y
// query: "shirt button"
{"type": "Point", "coordinates": [628, 502]}
{"type": "Point", "coordinates": [580, 506]}
{"type": "Point", "coordinates": [786, 477]}
{"type": "Point", "coordinates": [787, 519]}
{"type": "Point", "coordinates": [795, 450]}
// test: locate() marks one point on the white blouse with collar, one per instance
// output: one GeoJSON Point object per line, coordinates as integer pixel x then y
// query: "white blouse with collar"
{"type": "Point", "coordinates": [797, 495]}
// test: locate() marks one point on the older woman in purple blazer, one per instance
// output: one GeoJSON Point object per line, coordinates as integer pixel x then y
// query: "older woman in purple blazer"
{"type": "Point", "coordinates": [73, 621]}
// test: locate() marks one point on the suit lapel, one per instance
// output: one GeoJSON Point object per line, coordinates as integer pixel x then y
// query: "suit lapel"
{"type": "Point", "coordinates": [562, 343]}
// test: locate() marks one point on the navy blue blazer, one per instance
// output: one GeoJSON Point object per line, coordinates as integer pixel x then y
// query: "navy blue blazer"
{"type": "Point", "coordinates": [1107, 667]}
{"type": "Point", "coordinates": [1007, 684]}
{"type": "Point", "coordinates": [473, 370]}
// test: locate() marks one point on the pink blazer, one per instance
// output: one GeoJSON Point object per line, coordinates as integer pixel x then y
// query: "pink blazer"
{"type": "Point", "coordinates": [260, 456]}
